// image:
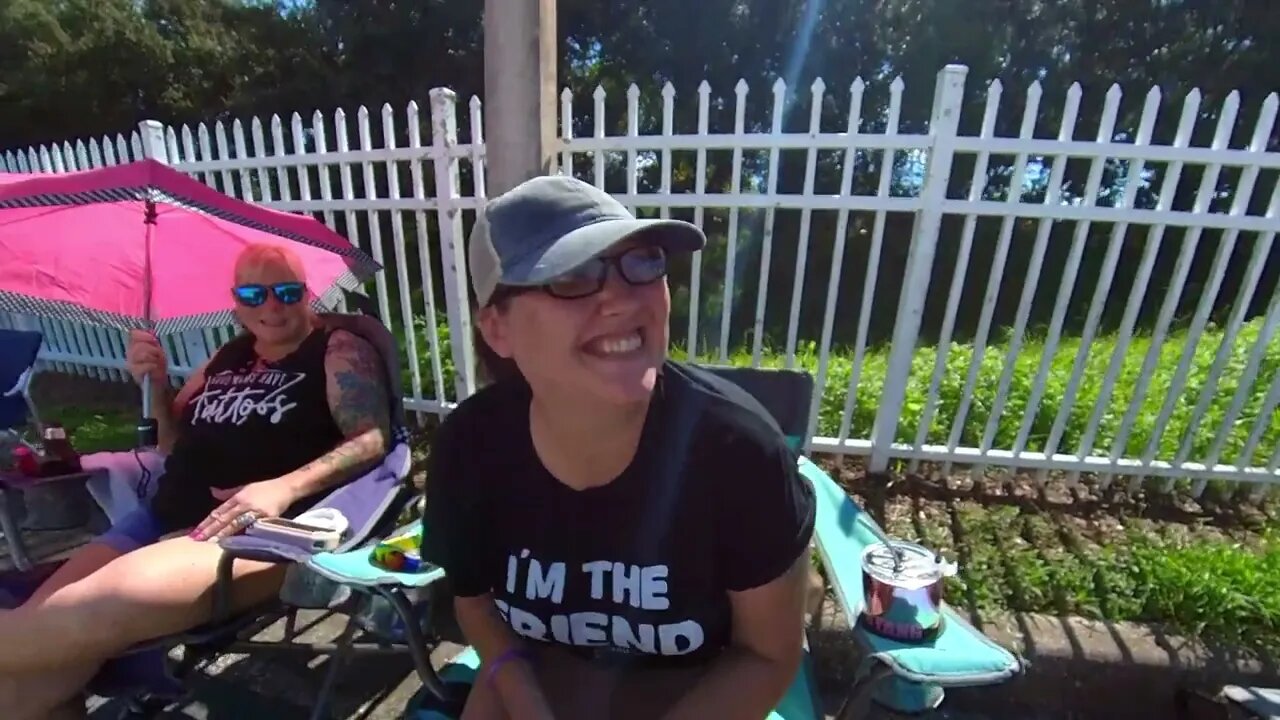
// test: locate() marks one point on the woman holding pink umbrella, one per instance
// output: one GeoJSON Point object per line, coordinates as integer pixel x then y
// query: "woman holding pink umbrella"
{"type": "Point", "coordinates": [274, 420]}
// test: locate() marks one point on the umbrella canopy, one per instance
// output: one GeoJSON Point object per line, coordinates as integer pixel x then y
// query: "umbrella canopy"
{"type": "Point", "coordinates": [79, 246]}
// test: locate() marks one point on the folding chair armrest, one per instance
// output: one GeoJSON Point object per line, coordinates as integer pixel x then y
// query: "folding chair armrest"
{"type": "Point", "coordinates": [841, 531]}
{"type": "Point", "coordinates": [965, 658]}
{"type": "Point", "coordinates": [21, 384]}
{"type": "Point", "coordinates": [960, 656]}
{"type": "Point", "coordinates": [365, 501]}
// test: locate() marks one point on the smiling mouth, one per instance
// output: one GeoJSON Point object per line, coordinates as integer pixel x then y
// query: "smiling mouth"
{"type": "Point", "coordinates": [616, 346]}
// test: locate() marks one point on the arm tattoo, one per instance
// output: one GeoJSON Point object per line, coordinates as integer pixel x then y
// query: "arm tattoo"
{"type": "Point", "coordinates": [351, 455]}
{"type": "Point", "coordinates": [358, 401]}
{"type": "Point", "coordinates": [357, 389]}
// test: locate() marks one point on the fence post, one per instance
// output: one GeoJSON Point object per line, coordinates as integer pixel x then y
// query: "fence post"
{"type": "Point", "coordinates": [453, 257]}
{"type": "Point", "coordinates": [948, 96]}
{"type": "Point", "coordinates": [151, 133]}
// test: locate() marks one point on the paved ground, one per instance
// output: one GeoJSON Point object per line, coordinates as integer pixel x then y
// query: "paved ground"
{"type": "Point", "coordinates": [284, 685]}
{"type": "Point", "coordinates": [283, 688]}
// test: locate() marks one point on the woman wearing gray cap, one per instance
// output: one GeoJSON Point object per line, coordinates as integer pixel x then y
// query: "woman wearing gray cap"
{"type": "Point", "coordinates": [626, 536]}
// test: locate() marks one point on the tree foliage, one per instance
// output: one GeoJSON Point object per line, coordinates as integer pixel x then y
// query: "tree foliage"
{"type": "Point", "coordinates": [72, 68]}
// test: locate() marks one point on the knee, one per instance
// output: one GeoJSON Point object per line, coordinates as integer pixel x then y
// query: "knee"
{"type": "Point", "coordinates": [483, 703]}
{"type": "Point", "coordinates": [135, 530]}
{"type": "Point", "coordinates": [21, 701]}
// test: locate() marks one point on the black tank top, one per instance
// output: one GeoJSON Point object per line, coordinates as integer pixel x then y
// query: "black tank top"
{"type": "Point", "coordinates": [250, 421]}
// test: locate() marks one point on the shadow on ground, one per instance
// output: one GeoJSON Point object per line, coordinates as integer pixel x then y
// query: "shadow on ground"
{"type": "Point", "coordinates": [285, 686]}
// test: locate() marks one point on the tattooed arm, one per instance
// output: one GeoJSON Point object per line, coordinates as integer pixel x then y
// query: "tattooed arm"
{"type": "Point", "coordinates": [357, 392]}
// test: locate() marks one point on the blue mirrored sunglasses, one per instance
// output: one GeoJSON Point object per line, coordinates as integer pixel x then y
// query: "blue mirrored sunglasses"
{"type": "Point", "coordinates": [288, 293]}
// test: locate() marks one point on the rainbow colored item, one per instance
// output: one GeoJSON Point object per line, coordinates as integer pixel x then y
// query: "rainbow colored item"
{"type": "Point", "coordinates": [400, 553]}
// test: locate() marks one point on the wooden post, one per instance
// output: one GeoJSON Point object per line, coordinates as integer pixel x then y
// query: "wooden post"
{"type": "Point", "coordinates": [520, 53]}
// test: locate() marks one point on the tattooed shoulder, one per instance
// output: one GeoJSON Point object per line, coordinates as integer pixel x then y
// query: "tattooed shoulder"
{"type": "Point", "coordinates": [356, 388]}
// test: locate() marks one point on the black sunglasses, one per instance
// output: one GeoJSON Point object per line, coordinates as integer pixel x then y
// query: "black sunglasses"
{"type": "Point", "coordinates": [288, 293]}
{"type": "Point", "coordinates": [640, 265]}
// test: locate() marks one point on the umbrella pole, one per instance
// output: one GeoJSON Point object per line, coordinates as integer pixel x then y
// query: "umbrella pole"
{"type": "Point", "coordinates": [148, 428]}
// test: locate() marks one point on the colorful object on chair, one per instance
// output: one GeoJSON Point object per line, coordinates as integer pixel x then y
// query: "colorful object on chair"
{"type": "Point", "coordinates": [902, 589]}
{"type": "Point", "coordinates": [400, 554]}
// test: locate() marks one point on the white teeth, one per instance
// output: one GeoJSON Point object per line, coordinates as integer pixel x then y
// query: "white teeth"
{"type": "Point", "coordinates": [622, 345]}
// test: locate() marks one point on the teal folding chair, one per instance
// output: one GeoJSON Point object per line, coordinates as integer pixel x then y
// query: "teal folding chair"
{"type": "Point", "coordinates": [904, 677]}
{"type": "Point", "coordinates": [386, 612]}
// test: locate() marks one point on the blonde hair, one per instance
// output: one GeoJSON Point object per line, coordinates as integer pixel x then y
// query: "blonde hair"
{"type": "Point", "coordinates": [259, 254]}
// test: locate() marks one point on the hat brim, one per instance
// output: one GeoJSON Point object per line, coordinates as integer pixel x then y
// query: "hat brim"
{"type": "Point", "coordinates": [584, 243]}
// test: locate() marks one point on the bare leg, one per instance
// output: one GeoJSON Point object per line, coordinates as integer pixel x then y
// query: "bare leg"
{"type": "Point", "coordinates": [153, 591]}
{"type": "Point", "coordinates": [652, 693]}
{"type": "Point", "coordinates": [577, 690]}
{"type": "Point", "coordinates": [571, 686]}
{"type": "Point", "coordinates": [55, 693]}
{"type": "Point", "coordinates": [83, 562]}
{"type": "Point", "coordinates": [68, 711]}
{"type": "Point", "coordinates": [483, 702]}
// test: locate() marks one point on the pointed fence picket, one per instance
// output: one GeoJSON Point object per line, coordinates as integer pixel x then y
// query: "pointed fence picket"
{"type": "Point", "coordinates": [991, 397]}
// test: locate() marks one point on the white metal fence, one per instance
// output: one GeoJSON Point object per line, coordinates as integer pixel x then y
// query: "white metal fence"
{"type": "Point", "coordinates": [859, 259]}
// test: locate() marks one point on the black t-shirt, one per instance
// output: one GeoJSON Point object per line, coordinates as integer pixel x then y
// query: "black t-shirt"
{"type": "Point", "coordinates": [247, 424]}
{"type": "Point", "coordinates": [712, 502]}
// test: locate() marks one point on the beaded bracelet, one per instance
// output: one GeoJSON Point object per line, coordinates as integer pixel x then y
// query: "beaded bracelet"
{"type": "Point", "coordinates": [514, 652]}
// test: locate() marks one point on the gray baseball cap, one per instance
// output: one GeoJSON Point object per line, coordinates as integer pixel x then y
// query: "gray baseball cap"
{"type": "Point", "coordinates": [549, 225]}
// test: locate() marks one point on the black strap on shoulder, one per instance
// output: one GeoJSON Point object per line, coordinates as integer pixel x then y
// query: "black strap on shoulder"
{"type": "Point", "coordinates": [683, 408]}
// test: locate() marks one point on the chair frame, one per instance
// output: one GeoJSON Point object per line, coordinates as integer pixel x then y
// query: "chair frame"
{"type": "Point", "coordinates": [23, 387]}
{"type": "Point", "coordinates": [9, 523]}
{"type": "Point", "coordinates": [234, 633]}
{"type": "Point", "coordinates": [229, 632]}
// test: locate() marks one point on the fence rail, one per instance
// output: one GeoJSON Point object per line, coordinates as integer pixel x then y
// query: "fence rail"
{"type": "Point", "coordinates": [1041, 301]}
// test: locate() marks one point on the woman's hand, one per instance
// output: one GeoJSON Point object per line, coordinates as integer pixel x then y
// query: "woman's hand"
{"type": "Point", "coordinates": [242, 505]}
{"type": "Point", "coordinates": [145, 358]}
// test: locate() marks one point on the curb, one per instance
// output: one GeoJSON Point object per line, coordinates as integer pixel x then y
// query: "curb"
{"type": "Point", "coordinates": [1079, 668]}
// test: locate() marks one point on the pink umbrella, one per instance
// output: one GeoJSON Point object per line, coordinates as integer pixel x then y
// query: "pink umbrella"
{"type": "Point", "coordinates": [82, 246]}
{"type": "Point", "coordinates": [143, 245]}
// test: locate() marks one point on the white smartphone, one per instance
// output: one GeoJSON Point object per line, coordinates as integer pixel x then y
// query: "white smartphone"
{"type": "Point", "coordinates": [310, 537]}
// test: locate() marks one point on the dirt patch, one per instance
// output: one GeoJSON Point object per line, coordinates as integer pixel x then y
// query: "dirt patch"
{"type": "Point", "coordinates": [1098, 515]}
{"type": "Point", "coordinates": [54, 389]}
{"type": "Point", "coordinates": [1077, 549]}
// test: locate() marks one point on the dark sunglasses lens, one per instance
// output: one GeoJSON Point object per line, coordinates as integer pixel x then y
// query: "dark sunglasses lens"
{"type": "Point", "coordinates": [251, 295]}
{"type": "Point", "coordinates": [644, 264]}
{"type": "Point", "coordinates": [288, 293]}
{"type": "Point", "coordinates": [580, 282]}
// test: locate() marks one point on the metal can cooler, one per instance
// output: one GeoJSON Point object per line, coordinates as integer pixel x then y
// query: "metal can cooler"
{"type": "Point", "coordinates": [902, 584]}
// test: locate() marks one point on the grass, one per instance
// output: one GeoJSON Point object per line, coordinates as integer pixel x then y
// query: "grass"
{"type": "Point", "coordinates": [1214, 581]}
{"type": "Point", "coordinates": [97, 429]}
{"type": "Point", "coordinates": [1021, 382]}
